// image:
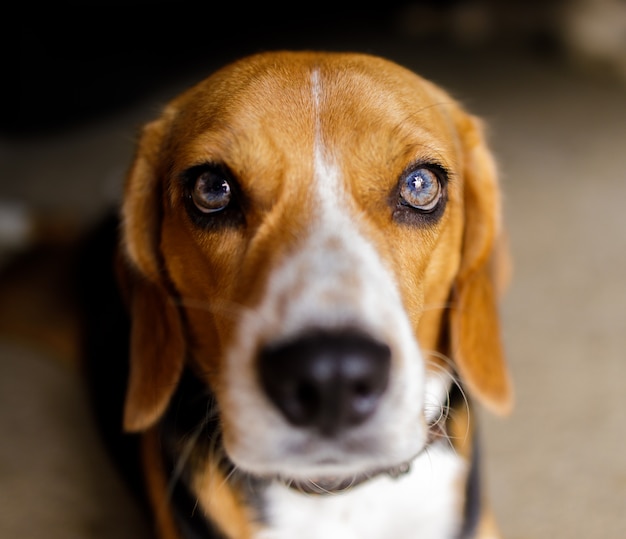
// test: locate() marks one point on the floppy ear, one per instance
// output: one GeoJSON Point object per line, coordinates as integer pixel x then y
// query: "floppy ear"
{"type": "Point", "coordinates": [157, 344]}
{"type": "Point", "coordinates": [475, 324]}
{"type": "Point", "coordinates": [141, 207]}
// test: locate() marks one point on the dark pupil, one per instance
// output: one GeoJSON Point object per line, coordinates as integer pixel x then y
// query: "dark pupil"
{"type": "Point", "coordinates": [211, 192]}
{"type": "Point", "coordinates": [214, 187]}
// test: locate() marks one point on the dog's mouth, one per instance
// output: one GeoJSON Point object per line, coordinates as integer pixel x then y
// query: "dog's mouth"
{"type": "Point", "coordinates": [336, 484]}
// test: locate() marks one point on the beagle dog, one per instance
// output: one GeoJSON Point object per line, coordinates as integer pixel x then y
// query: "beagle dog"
{"type": "Point", "coordinates": [310, 262]}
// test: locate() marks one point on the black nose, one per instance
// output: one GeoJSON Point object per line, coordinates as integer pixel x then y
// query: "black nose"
{"type": "Point", "coordinates": [326, 380]}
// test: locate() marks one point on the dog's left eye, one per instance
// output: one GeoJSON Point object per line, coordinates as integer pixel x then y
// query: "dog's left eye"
{"type": "Point", "coordinates": [421, 189]}
{"type": "Point", "coordinates": [211, 192]}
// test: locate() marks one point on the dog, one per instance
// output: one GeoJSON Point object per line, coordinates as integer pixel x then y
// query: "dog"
{"type": "Point", "coordinates": [310, 259]}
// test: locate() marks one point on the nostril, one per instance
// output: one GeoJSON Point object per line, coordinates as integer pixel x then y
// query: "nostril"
{"type": "Point", "coordinates": [364, 397]}
{"type": "Point", "coordinates": [361, 390]}
{"type": "Point", "coordinates": [306, 394]}
{"type": "Point", "coordinates": [326, 380]}
{"type": "Point", "coordinates": [305, 401]}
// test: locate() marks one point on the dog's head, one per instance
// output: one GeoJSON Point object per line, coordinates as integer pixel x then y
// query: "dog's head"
{"type": "Point", "coordinates": [316, 237]}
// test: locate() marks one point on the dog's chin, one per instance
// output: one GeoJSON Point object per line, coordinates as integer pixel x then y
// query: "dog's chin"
{"type": "Point", "coordinates": [337, 484]}
{"type": "Point", "coordinates": [329, 479]}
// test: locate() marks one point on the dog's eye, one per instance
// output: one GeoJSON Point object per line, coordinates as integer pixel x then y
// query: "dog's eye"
{"type": "Point", "coordinates": [211, 192]}
{"type": "Point", "coordinates": [421, 189]}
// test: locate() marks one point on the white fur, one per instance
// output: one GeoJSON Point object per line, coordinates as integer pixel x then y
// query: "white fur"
{"type": "Point", "coordinates": [436, 394]}
{"type": "Point", "coordinates": [424, 503]}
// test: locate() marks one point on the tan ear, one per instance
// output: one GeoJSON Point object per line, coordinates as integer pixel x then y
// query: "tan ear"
{"type": "Point", "coordinates": [157, 351]}
{"type": "Point", "coordinates": [157, 343]}
{"type": "Point", "coordinates": [141, 206]}
{"type": "Point", "coordinates": [475, 322]}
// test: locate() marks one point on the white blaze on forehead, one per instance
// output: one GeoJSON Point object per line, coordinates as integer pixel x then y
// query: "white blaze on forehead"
{"type": "Point", "coordinates": [316, 91]}
{"type": "Point", "coordinates": [345, 280]}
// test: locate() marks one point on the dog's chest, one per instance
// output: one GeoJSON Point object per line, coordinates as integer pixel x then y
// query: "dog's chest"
{"type": "Point", "coordinates": [426, 503]}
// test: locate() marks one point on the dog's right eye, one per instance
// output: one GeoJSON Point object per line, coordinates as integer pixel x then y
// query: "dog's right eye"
{"type": "Point", "coordinates": [211, 192]}
{"type": "Point", "coordinates": [212, 197]}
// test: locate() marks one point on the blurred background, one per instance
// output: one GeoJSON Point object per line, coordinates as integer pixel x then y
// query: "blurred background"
{"type": "Point", "coordinates": [549, 78]}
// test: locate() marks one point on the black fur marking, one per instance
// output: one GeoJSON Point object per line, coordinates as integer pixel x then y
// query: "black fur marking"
{"type": "Point", "coordinates": [192, 418]}
{"type": "Point", "coordinates": [473, 487]}
{"type": "Point", "coordinates": [189, 519]}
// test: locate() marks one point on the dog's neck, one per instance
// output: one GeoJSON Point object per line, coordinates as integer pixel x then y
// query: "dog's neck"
{"type": "Point", "coordinates": [285, 507]}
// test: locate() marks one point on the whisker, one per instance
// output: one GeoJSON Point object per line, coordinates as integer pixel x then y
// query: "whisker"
{"type": "Point", "coordinates": [320, 488]}
{"type": "Point", "coordinates": [437, 427]}
{"type": "Point", "coordinates": [442, 357]}
{"type": "Point", "coordinates": [189, 445]}
{"type": "Point", "coordinates": [216, 454]}
{"type": "Point", "coordinates": [445, 408]}
{"type": "Point", "coordinates": [181, 462]}
{"type": "Point", "coordinates": [195, 506]}
{"type": "Point", "coordinates": [428, 455]}
{"type": "Point", "coordinates": [228, 477]}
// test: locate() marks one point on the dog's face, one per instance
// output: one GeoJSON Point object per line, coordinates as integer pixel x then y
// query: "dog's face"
{"type": "Point", "coordinates": [315, 234]}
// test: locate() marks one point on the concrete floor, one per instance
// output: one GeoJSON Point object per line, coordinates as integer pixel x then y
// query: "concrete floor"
{"type": "Point", "coordinates": [556, 467]}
